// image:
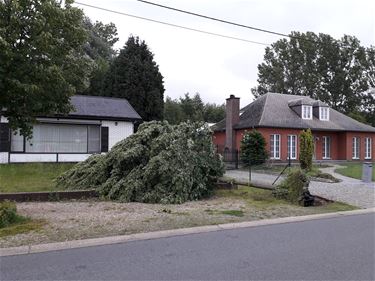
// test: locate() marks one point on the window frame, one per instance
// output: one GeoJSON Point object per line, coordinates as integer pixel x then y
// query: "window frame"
{"type": "Point", "coordinates": [290, 146]}
{"type": "Point", "coordinates": [275, 138]}
{"type": "Point", "coordinates": [326, 147]}
{"type": "Point", "coordinates": [61, 152]}
{"type": "Point", "coordinates": [322, 115]}
{"type": "Point", "coordinates": [307, 113]}
{"type": "Point", "coordinates": [356, 149]}
{"type": "Point", "coordinates": [368, 148]}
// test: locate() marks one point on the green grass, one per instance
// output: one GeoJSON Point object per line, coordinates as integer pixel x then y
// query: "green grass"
{"type": "Point", "coordinates": [22, 225]}
{"type": "Point", "coordinates": [235, 213]}
{"type": "Point", "coordinates": [353, 170]}
{"type": "Point", "coordinates": [254, 196]}
{"type": "Point", "coordinates": [30, 177]}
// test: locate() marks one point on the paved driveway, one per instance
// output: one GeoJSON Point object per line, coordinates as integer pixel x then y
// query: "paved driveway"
{"type": "Point", "coordinates": [351, 191]}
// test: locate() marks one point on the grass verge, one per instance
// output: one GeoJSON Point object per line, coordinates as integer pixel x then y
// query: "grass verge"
{"type": "Point", "coordinates": [22, 225]}
{"type": "Point", "coordinates": [353, 170]}
{"type": "Point", "coordinates": [30, 177]}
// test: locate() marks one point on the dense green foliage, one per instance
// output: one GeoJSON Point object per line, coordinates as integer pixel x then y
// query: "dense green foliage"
{"type": "Point", "coordinates": [338, 72]}
{"type": "Point", "coordinates": [42, 59]}
{"type": "Point", "coordinates": [134, 75]}
{"type": "Point", "coordinates": [8, 213]}
{"type": "Point", "coordinates": [161, 163]}
{"type": "Point", "coordinates": [193, 109]}
{"type": "Point", "coordinates": [293, 186]}
{"type": "Point", "coordinates": [306, 152]}
{"type": "Point", "coordinates": [99, 48]}
{"type": "Point", "coordinates": [253, 148]}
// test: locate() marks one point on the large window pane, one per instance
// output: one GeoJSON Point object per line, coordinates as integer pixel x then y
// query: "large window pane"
{"type": "Point", "coordinates": [58, 138]}
{"type": "Point", "coordinates": [16, 142]}
{"type": "Point", "coordinates": [94, 139]}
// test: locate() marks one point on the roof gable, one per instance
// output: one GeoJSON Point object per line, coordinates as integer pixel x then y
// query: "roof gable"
{"type": "Point", "coordinates": [275, 110]}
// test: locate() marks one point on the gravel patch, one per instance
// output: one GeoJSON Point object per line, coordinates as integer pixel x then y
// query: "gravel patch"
{"type": "Point", "coordinates": [72, 220]}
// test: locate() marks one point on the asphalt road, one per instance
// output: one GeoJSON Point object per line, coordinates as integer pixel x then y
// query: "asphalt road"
{"type": "Point", "coordinates": [341, 248]}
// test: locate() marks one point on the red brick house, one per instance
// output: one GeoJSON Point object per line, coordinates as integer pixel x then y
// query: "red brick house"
{"type": "Point", "coordinates": [281, 118]}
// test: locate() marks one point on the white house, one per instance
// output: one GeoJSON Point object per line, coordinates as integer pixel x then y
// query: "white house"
{"type": "Point", "coordinates": [94, 126]}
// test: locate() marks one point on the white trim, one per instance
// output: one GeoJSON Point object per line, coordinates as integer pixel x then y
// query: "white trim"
{"type": "Point", "coordinates": [290, 146]}
{"type": "Point", "coordinates": [306, 112]}
{"type": "Point", "coordinates": [273, 140]}
{"type": "Point", "coordinates": [368, 148]}
{"type": "Point", "coordinates": [324, 113]}
{"type": "Point", "coordinates": [326, 147]}
{"type": "Point", "coordinates": [356, 147]}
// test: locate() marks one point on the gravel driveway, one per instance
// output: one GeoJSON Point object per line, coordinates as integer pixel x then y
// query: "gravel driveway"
{"type": "Point", "coordinates": [349, 190]}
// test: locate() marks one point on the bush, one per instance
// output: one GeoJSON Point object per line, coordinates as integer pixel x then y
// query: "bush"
{"type": "Point", "coordinates": [253, 148]}
{"type": "Point", "coordinates": [306, 150]}
{"type": "Point", "coordinates": [293, 186]}
{"type": "Point", "coordinates": [160, 163]}
{"type": "Point", "coordinates": [8, 213]}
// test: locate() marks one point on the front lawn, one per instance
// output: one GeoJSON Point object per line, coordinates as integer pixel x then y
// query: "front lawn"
{"type": "Point", "coordinates": [30, 177]}
{"type": "Point", "coordinates": [353, 170]}
{"type": "Point", "coordinates": [71, 220]}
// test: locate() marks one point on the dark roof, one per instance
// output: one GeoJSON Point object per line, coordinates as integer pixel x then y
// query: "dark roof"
{"type": "Point", "coordinates": [273, 110]}
{"type": "Point", "coordinates": [102, 107]}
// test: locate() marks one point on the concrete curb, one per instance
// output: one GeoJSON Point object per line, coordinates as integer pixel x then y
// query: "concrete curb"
{"type": "Point", "coordinates": [30, 249]}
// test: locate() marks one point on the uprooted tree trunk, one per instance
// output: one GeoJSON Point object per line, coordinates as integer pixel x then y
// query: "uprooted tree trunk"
{"type": "Point", "coordinates": [160, 163]}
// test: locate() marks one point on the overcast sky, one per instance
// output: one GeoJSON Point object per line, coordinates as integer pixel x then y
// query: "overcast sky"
{"type": "Point", "coordinates": [217, 67]}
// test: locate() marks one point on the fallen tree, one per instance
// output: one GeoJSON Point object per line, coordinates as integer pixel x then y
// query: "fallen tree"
{"type": "Point", "coordinates": [161, 163]}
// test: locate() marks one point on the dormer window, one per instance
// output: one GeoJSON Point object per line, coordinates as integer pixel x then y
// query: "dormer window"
{"type": "Point", "coordinates": [306, 112]}
{"type": "Point", "coordinates": [324, 113]}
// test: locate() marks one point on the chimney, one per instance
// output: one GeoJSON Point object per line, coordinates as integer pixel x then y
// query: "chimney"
{"type": "Point", "coordinates": [232, 111]}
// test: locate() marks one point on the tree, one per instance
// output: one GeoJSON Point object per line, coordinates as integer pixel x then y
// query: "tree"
{"type": "Point", "coordinates": [187, 108]}
{"type": "Point", "coordinates": [99, 48]}
{"type": "Point", "coordinates": [134, 75]}
{"type": "Point", "coordinates": [338, 72]}
{"type": "Point", "coordinates": [253, 148]}
{"type": "Point", "coordinates": [42, 59]}
{"type": "Point", "coordinates": [160, 163]}
{"type": "Point", "coordinates": [306, 149]}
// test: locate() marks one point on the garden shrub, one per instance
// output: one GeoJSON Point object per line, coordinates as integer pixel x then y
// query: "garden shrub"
{"type": "Point", "coordinates": [8, 213]}
{"type": "Point", "coordinates": [161, 163]}
{"type": "Point", "coordinates": [253, 148]}
{"type": "Point", "coordinates": [306, 149]}
{"type": "Point", "coordinates": [293, 186]}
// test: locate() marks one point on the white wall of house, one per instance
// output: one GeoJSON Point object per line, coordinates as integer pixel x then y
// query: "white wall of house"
{"type": "Point", "coordinates": [3, 157]}
{"type": "Point", "coordinates": [117, 131]}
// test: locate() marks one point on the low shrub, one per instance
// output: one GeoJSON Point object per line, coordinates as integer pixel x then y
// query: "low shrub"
{"type": "Point", "coordinates": [293, 186]}
{"type": "Point", "coordinates": [8, 213]}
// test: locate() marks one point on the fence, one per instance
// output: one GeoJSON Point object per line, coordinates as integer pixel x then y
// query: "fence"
{"type": "Point", "coordinates": [233, 160]}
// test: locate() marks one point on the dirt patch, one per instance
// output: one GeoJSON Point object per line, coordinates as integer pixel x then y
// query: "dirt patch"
{"type": "Point", "coordinates": [88, 219]}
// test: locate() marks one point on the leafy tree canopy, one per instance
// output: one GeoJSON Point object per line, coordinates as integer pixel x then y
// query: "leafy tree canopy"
{"type": "Point", "coordinates": [42, 59]}
{"type": "Point", "coordinates": [134, 75]}
{"type": "Point", "coordinates": [99, 47]}
{"type": "Point", "coordinates": [338, 72]}
{"type": "Point", "coordinates": [193, 109]}
{"type": "Point", "coordinates": [160, 163]}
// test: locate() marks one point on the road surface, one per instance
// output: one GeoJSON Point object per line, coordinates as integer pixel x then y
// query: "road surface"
{"type": "Point", "coordinates": [340, 248]}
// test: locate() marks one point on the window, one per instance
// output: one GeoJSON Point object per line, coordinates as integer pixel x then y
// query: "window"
{"type": "Point", "coordinates": [324, 113]}
{"type": "Point", "coordinates": [59, 138]}
{"type": "Point", "coordinates": [275, 146]}
{"type": "Point", "coordinates": [368, 144]}
{"type": "Point", "coordinates": [16, 144]}
{"type": "Point", "coordinates": [306, 112]}
{"type": "Point", "coordinates": [355, 150]}
{"type": "Point", "coordinates": [326, 149]}
{"type": "Point", "coordinates": [292, 147]}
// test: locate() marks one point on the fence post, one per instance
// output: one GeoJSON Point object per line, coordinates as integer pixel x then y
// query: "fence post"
{"type": "Point", "coordinates": [236, 158]}
{"type": "Point", "coordinates": [249, 171]}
